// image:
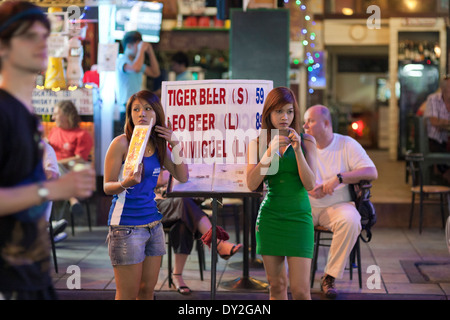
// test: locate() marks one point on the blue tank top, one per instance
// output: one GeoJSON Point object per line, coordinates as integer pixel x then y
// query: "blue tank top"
{"type": "Point", "coordinates": [137, 206]}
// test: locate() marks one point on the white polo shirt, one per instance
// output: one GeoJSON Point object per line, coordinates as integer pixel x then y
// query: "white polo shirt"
{"type": "Point", "coordinates": [343, 154]}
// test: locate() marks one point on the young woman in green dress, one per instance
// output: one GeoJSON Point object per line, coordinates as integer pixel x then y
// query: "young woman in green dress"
{"type": "Point", "coordinates": [285, 160]}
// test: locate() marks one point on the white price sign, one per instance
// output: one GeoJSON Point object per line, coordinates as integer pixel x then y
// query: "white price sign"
{"type": "Point", "coordinates": [44, 101]}
{"type": "Point", "coordinates": [215, 119]}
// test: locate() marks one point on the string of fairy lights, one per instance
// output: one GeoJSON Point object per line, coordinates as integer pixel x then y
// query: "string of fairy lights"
{"type": "Point", "coordinates": [307, 38]}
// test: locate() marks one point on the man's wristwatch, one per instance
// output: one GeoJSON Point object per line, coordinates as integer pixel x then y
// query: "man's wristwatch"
{"type": "Point", "coordinates": [42, 192]}
{"type": "Point", "coordinates": [339, 177]}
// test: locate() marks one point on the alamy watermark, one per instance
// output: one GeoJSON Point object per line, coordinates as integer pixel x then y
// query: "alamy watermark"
{"type": "Point", "coordinates": [74, 280]}
{"type": "Point", "coordinates": [374, 21]}
{"type": "Point", "coordinates": [374, 280]}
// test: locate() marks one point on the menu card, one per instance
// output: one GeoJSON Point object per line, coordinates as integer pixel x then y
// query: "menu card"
{"type": "Point", "coordinates": [213, 178]}
{"type": "Point", "coordinates": [136, 149]}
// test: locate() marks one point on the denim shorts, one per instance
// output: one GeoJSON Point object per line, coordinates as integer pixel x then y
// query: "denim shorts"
{"type": "Point", "coordinates": [130, 245]}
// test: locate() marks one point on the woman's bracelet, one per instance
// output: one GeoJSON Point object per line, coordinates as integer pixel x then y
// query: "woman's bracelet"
{"type": "Point", "coordinates": [124, 188]}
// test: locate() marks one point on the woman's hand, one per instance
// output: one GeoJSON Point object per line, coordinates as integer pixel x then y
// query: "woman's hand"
{"type": "Point", "coordinates": [279, 141]}
{"type": "Point", "coordinates": [167, 134]}
{"type": "Point", "coordinates": [133, 178]}
{"type": "Point", "coordinates": [295, 139]}
{"type": "Point", "coordinates": [174, 161]}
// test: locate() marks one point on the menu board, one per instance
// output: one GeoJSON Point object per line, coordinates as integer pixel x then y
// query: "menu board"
{"type": "Point", "coordinates": [214, 121]}
{"type": "Point", "coordinates": [44, 101]}
{"type": "Point", "coordinates": [213, 178]}
{"type": "Point", "coordinates": [136, 149]}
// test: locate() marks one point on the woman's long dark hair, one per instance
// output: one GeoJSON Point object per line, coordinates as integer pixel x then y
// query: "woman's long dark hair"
{"type": "Point", "coordinates": [153, 100]}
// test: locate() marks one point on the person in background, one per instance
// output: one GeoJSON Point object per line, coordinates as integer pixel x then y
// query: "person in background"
{"type": "Point", "coordinates": [437, 112]}
{"type": "Point", "coordinates": [51, 170]}
{"type": "Point", "coordinates": [71, 143]}
{"type": "Point", "coordinates": [136, 237]}
{"type": "Point", "coordinates": [51, 167]}
{"type": "Point", "coordinates": [24, 189]}
{"type": "Point", "coordinates": [180, 64]}
{"type": "Point", "coordinates": [340, 161]}
{"type": "Point", "coordinates": [130, 67]}
{"type": "Point", "coordinates": [284, 226]}
{"type": "Point", "coordinates": [185, 219]}
{"type": "Point", "coordinates": [421, 111]}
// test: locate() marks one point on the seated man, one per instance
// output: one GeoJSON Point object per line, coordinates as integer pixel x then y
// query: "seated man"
{"type": "Point", "coordinates": [437, 112]}
{"type": "Point", "coordinates": [340, 161]}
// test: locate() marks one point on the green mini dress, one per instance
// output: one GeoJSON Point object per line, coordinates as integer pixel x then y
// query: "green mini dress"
{"type": "Point", "coordinates": [284, 226]}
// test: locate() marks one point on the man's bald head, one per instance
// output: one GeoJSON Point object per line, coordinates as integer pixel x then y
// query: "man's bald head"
{"type": "Point", "coordinates": [322, 111]}
{"type": "Point", "coordinates": [317, 122]}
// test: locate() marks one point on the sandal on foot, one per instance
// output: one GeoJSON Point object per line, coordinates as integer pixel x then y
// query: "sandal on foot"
{"type": "Point", "coordinates": [184, 290]}
{"type": "Point", "coordinates": [233, 250]}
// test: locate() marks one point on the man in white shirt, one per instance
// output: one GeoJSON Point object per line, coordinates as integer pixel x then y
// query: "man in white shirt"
{"type": "Point", "coordinates": [340, 161]}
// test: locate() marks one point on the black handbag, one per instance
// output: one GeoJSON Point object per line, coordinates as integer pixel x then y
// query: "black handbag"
{"type": "Point", "coordinates": [360, 193]}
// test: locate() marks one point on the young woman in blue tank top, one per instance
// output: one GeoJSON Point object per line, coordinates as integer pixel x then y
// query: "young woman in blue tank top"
{"type": "Point", "coordinates": [136, 238]}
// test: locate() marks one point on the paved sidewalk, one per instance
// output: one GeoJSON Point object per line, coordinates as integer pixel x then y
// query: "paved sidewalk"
{"type": "Point", "coordinates": [412, 266]}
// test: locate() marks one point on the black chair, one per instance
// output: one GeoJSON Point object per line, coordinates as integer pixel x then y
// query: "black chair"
{"type": "Point", "coordinates": [200, 253]}
{"type": "Point", "coordinates": [415, 162]}
{"type": "Point", "coordinates": [52, 241]}
{"type": "Point", "coordinates": [88, 211]}
{"type": "Point", "coordinates": [66, 205]}
{"type": "Point", "coordinates": [354, 255]}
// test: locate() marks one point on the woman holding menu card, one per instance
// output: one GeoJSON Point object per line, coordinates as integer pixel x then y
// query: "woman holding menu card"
{"type": "Point", "coordinates": [285, 160]}
{"type": "Point", "coordinates": [136, 238]}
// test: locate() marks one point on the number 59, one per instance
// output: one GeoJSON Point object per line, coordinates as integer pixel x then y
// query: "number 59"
{"type": "Point", "coordinates": [259, 95]}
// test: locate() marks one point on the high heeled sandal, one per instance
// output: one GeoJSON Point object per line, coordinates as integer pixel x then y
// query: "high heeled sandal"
{"type": "Point", "coordinates": [233, 250]}
{"type": "Point", "coordinates": [184, 290]}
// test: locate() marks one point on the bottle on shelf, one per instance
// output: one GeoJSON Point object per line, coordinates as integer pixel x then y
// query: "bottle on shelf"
{"type": "Point", "coordinates": [418, 51]}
